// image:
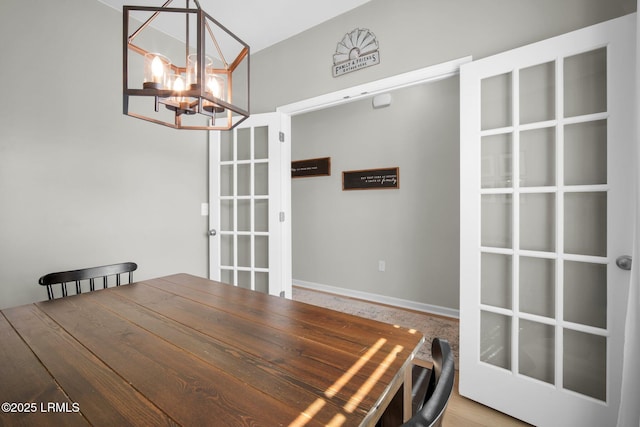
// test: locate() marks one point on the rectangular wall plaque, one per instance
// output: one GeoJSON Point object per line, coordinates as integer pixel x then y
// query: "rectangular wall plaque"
{"type": "Point", "coordinates": [311, 167]}
{"type": "Point", "coordinates": [371, 179]}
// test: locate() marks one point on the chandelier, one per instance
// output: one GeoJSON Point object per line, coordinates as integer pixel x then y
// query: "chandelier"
{"type": "Point", "coordinates": [194, 78]}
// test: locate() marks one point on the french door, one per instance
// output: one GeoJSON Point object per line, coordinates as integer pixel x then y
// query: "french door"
{"type": "Point", "coordinates": [546, 206]}
{"type": "Point", "coordinates": [250, 228]}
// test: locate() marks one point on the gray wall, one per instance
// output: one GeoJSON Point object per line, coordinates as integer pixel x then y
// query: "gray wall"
{"type": "Point", "coordinates": [80, 183]}
{"type": "Point", "coordinates": [414, 34]}
{"type": "Point", "coordinates": [339, 237]}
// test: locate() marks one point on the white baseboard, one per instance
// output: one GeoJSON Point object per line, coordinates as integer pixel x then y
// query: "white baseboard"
{"type": "Point", "coordinates": [381, 299]}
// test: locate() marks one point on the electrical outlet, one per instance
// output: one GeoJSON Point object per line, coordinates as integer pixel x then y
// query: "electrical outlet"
{"type": "Point", "coordinates": [382, 265]}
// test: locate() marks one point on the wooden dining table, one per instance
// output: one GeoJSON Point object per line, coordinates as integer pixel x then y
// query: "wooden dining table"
{"type": "Point", "coordinates": [184, 350]}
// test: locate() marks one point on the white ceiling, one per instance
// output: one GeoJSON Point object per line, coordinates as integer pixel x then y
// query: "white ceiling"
{"type": "Point", "coordinates": [261, 23]}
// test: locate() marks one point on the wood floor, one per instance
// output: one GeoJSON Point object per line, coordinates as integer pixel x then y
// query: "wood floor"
{"type": "Point", "coordinates": [462, 412]}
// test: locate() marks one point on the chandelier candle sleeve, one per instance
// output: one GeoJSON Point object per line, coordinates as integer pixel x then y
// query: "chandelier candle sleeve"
{"type": "Point", "coordinates": [214, 87]}
{"type": "Point", "coordinates": [192, 69]}
{"type": "Point", "coordinates": [156, 70]}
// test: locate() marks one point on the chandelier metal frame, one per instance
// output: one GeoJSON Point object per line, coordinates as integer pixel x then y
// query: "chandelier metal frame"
{"type": "Point", "coordinates": [197, 97]}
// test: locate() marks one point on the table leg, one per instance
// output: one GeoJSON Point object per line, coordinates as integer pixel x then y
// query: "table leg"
{"type": "Point", "coordinates": [407, 409]}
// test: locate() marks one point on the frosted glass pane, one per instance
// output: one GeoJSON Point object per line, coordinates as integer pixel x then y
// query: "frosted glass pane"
{"type": "Point", "coordinates": [585, 364]}
{"type": "Point", "coordinates": [496, 280]}
{"type": "Point", "coordinates": [537, 222]}
{"type": "Point", "coordinates": [496, 99]}
{"type": "Point", "coordinates": [585, 223]}
{"type": "Point", "coordinates": [244, 279]}
{"type": "Point", "coordinates": [496, 220]}
{"type": "Point", "coordinates": [226, 276]}
{"type": "Point", "coordinates": [585, 293]}
{"type": "Point", "coordinates": [537, 351]}
{"type": "Point", "coordinates": [261, 185]}
{"type": "Point", "coordinates": [496, 161]}
{"type": "Point", "coordinates": [226, 180]}
{"type": "Point", "coordinates": [585, 83]}
{"type": "Point", "coordinates": [244, 215]}
{"type": "Point", "coordinates": [262, 251]}
{"type": "Point", "coordinates": [495, 339]}
{"type": "Point", "coordinates": [244, 144]}
{"type": "Point", "coordinates": [537, 286]}
{"type": "Point", "coordinates": [261, 217]}
{"type": "Point", "coordinates": [226, 250]}
{"type": "Point", "coordinates": [226, 146]}
{"type": "Point", "coordinates": [538, 158]}
{"type": "Point", "coordinates": [226, 215]}
{"type": "Point", "coordinates": [262, 282]}
{"type": "Point", "coordinates": [261, 142]}
{"type": "Point", "coordinates": [244, 251]}
{"type": "Point", "coordinates": [537, 93]}
{"type": "Point", "coordinates": [244, 180]}
{"type": "Point", "coordinates": [585, 153]}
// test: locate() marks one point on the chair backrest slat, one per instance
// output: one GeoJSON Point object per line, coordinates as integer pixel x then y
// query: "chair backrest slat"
{"type": "Point", "coordinates": [90, 274]}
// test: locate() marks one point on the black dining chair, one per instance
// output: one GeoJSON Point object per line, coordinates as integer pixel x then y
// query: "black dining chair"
{"type": "Point", "coordinates": [87, 274]}
{"type": "Point", "coordinates": [430, 404]}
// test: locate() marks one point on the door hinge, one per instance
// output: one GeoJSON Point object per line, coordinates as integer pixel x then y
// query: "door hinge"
{"type": "Point", "coordinates": [281, 136]}
{"type": "Point", "coordinates": [281, 216]}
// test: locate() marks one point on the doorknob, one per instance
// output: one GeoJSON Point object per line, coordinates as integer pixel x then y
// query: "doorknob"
{"type": "Point", "coordinates": [212, 232]}
{"type": "Point", "coordinates": [624, 262]}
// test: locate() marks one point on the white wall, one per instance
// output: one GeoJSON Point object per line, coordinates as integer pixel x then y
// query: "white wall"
{"type": "Point", "coordinates": [80, 183]}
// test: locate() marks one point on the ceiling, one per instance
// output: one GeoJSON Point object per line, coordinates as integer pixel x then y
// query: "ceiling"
{"type": "Point", "coordinates": [261, 23]}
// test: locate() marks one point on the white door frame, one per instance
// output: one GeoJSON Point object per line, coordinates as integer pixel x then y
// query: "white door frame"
{"type": "Point", "coordinates": [332, 99]}
{"type": "Point", "coordinates": [354, 93]}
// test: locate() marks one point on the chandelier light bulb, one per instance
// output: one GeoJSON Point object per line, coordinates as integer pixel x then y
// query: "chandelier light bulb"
{"type": "Point", "coordinates": [157, 69]}
{"type": "Point", "coordinates": [178, 84]}
{"type": "Point", "coordinates": [213, 87]}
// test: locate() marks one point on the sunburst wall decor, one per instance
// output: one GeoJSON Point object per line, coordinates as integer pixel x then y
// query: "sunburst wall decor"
{"type": "Point", "coordinates": [357, 50]}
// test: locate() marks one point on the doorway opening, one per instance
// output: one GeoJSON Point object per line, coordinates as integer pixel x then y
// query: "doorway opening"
{"type": "Point", "coordinates": [383, 265]}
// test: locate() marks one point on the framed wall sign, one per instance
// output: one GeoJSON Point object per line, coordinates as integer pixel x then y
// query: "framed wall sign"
{"type": "Point", "coordinates": [311, 167]}
{"type": "Point", "coordinates": [371, 179]}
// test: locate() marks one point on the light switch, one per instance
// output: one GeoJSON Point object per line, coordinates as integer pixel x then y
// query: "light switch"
{"type": "Point", "coordinates": [204, 209]}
